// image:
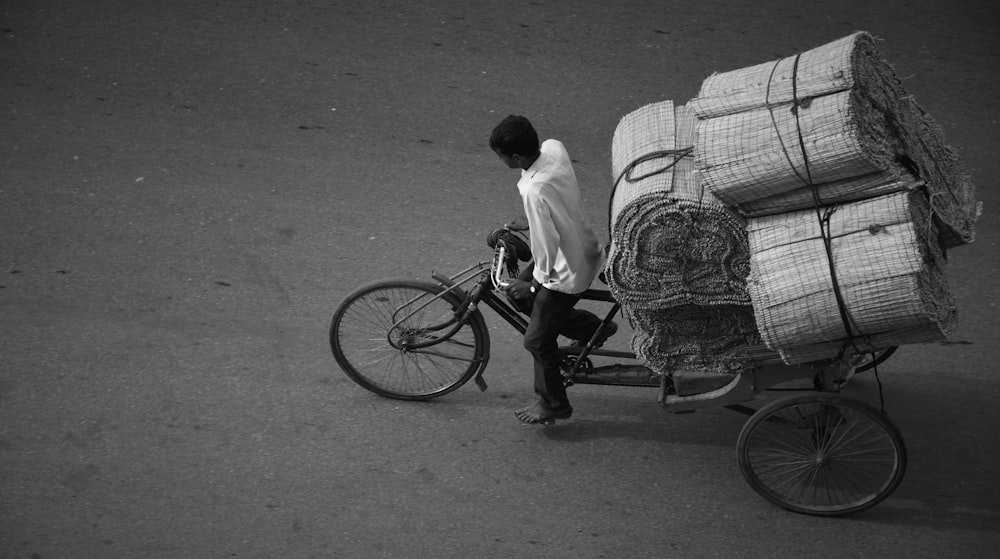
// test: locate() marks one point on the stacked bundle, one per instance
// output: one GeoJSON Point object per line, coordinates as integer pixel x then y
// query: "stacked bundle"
{"type": "Point", "coordinates": [832, 132]}
{"type": "Point", "coordinates": [890, 286]}
{"type": "Point", "coordinates": [679, 258]}
{"type": "Point", "coordinates": [835, 117]}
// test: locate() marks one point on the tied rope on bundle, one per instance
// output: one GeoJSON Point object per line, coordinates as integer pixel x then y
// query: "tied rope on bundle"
{"type": "Point", "coordinates": [626, 173]}
{"type": "Point", "coordinates": [679, 258]}
{"type": "Point", "coordinates": [672, 242]}
{"type": "Point", "coordinates": [867, 137]}
{"type": "Point", "coordinates": [822, 215]}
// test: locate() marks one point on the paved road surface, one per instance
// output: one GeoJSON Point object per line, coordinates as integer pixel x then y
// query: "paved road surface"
{"type": "Point", "coordinates": [187, 190]}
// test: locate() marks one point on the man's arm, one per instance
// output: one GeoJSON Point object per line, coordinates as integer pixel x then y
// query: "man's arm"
{"type": "Point", "coordinates": [544, 237]}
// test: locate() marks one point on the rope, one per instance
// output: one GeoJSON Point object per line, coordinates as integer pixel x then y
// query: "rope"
{"type": "Point", "coordinates": [626, 173]}
{"type": "Point", "coordinates": [881, 397]}
{"type": "Point", "coordinates": [822, 216]}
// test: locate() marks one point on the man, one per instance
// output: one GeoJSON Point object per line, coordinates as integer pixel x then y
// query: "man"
{"type": "Point", "coordinates": [567, 257]}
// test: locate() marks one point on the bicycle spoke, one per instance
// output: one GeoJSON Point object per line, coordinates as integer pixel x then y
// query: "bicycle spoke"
{"type": "Point", "coordinates": [817, 454]}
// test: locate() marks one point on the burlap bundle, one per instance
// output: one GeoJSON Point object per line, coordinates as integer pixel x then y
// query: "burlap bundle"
{"type": "Point", "coordinates": [850, 62]}
{"type": "Point", "coordinates": [834, 117]}
{"type": "Point", "coordinates": [714, 339]}
{"type": "Point", "coordinates": [672, 243]}
{"type": "Point", "coordinates": [886, 266]}
{"type": "Point", "coordinates": [669, 252]}
{"type": "Point", "coordinates": [679, 258]}
{"type": "Point", "coordinates": [757, 154]}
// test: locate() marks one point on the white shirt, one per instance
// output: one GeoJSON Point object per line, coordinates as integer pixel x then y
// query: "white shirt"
{"type": "Point", "coordinates": [567, 254]}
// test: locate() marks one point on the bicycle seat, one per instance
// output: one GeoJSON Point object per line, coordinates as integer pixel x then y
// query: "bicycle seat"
{"type": "Point", "coordinates": [517, 246]}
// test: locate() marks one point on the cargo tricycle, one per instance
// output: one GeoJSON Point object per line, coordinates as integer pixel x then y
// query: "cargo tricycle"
{"type": "Point", "coordinates": [814, 451]}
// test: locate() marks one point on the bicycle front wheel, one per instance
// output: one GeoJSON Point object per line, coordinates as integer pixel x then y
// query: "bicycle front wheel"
{"type": "Point", "coordinates": [821, 454]}
{"type": "Point", "coordinates": [400, 339]}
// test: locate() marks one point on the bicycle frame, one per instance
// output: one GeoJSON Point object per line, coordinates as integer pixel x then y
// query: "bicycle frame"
{"type": "Point", "coordinates": [577, 367]}
{"type": "Point", "coordinates": [680, 391]}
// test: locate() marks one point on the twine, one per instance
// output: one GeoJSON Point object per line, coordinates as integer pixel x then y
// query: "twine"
{"type": "Point", "coordinates": [823, 217]}
{"type": "Point", "coordinates": [626, 173]}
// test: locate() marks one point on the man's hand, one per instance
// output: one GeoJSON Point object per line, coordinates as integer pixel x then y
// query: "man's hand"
{"type": "Point", "coordinates": [519, 289]}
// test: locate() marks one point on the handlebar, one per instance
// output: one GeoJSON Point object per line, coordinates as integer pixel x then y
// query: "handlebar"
{"type": "Point", "coordinates": [498, 260]}
{"type": "Point", "coordinates": [510, 246]}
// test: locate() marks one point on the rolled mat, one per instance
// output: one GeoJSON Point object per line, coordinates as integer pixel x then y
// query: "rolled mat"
{"type": "Point", "coordinates": [761, 153]}
{"type": "Point", "coordinates": [713, 339]}
{"type": "Point", "coordinates": [679, 258]}
{"type": "Point", "coordinates": [846, 63]}
{"type": "Point", "coordinates": [643, 149]}
{"type": "Point", "coordinates": [826, 115]}
{"type": "Point", "coordinates": [668, 252]}
{"type": "Point", "coordinates": [672, 243]}
{"type": "Point", "coordinates": [887, 268]}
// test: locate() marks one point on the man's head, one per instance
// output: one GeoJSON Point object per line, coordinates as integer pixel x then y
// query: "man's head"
{"type": "Point", "coordinates": [515, 141]}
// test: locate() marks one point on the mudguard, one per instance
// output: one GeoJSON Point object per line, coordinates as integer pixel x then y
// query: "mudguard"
{"type": "Point", "coordinates": [456, 295]}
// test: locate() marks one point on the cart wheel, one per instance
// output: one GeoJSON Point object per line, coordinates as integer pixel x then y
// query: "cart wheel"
{"type": "Point", "coordinates": [821, 454]}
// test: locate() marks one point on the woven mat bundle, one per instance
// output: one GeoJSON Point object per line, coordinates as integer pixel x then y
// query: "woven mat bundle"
{"type": "Point", "coordinates": [847, 63]}
{"type": "Point", "coordinates": [668, 252]}
{"type": "Point", "coordinates": [887, 267]}
{"type": "Point", "coordinates": [672, 243]}
{"type": "Point", "coordinates": [835, 117]}
{"type": "Point", "coordinates": [713, 339]}
{"type": "Point", "coordinates": [679, 258]}
{"type": "Point", "coordinates": [757, 154]}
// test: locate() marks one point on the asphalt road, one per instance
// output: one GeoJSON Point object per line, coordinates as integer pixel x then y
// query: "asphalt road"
{"type": "Point", "coordinates": [188, 189]}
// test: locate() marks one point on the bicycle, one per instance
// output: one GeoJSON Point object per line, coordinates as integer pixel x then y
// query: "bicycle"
{"type": "Point", "coordinates": [817, 453]}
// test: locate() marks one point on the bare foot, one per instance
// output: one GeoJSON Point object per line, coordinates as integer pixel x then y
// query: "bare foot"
{"type": "Point", "coordinates": [536, 414]}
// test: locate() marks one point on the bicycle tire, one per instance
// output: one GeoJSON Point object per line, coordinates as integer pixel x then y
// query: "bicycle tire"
{"type": "Point", "coordinates": [875, 359]}
{"type": "Point", "coordinates": [376, 354]}
{"type": "Point", "coordinates": [821, 454]}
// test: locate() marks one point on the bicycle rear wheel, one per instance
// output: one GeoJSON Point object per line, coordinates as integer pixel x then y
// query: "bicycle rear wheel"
{"type": "Point", "coordinates": [821, 454]}
{"type": "Point", "coordinates": [392, 338]}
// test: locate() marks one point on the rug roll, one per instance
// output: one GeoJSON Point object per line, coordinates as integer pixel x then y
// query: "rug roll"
{"type": "Point", "coordinates": [767, 152]}
{"type": "Point", "coordinates": [668, 252]}
{"type": "Point", "coordinates": [649, 130]}
{"type": "Point", "coordinates": [844, 105]}
{"type": "Point", "coordinates": [672, 242]}
{"type": "Point", "coordinates": [888, 268]}
{"type": "Point", "coordinates": [679, 258]}
{"type": "Point", "coordinates": [715, 339]}
{"type": "Point", "coordinates": [844, 64]}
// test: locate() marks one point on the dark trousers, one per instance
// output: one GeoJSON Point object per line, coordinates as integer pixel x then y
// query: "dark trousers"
{"type": "Point", "coordinates": [552, 315]}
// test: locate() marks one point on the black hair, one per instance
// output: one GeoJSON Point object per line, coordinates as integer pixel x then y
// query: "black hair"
{"type": "Point", "coordinates": [514, 136]}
